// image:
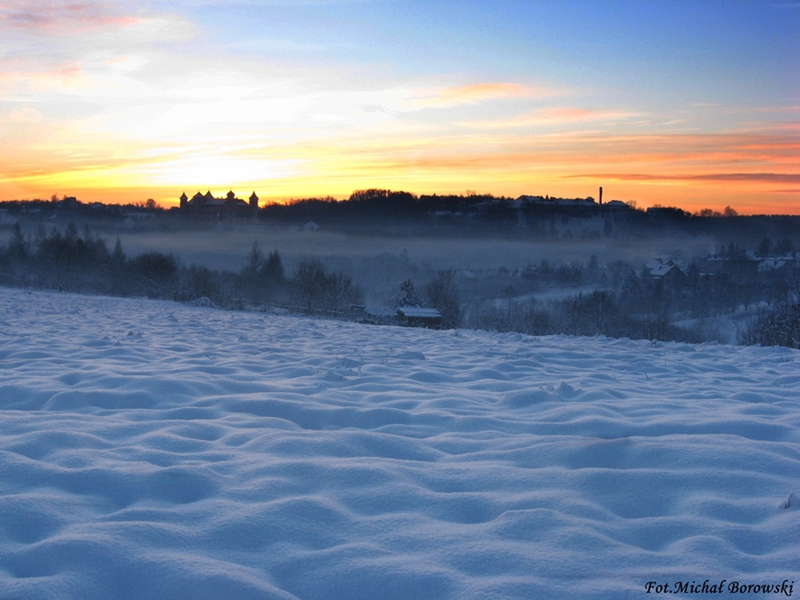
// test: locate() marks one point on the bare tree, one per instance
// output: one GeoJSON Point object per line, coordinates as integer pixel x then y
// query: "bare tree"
{"type": "Point", "coordinates": [441, 293]}
{"type": "Point", "coordinates": [339, 288]}
{"type": "Point", "coordinates": [309, 284]}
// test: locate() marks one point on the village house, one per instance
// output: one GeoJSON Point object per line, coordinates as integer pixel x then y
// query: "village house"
{"type": "Point", "coordinates": [414, 316]}
{"type": "Point", "coordinates": [662, 269]}
{"type": "Point", "coordinates": [617, 205]}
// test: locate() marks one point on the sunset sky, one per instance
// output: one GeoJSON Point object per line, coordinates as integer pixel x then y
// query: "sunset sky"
{"type": "Point", "coordinates": [687, 103]}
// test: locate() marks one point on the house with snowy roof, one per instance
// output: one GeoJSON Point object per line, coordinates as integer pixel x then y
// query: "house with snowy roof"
{"type": "Point", "coordinates": [416, 316]}
{"type": "Point", "coordinates": [665, 270]}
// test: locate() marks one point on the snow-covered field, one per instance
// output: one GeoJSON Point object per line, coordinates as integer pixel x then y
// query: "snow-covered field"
{"type": "Point", "coordinates": [154, 450]}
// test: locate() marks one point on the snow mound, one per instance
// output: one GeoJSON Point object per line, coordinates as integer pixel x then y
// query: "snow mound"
{"type": "Point", "coordinates": [153, 450]}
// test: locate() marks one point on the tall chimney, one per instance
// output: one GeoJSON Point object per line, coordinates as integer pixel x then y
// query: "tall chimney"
{"type": "Point", "coordinates": [601, 195]}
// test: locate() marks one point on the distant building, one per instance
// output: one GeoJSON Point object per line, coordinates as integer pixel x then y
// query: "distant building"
{"type": "Point", "coordinates": [406, 316]}
{"type": "Point", "coordinates": [665, 270]}
{"type": "Point", "coordinates": [69, 202]}
{"type": "Point", "coordinates": [206, 207]}
{"type": "Point", "coordinates": [413, 316]}
{"type": "Point", "coordinates": [771, 264]}
{"type": "Point", "coordinates": [310, 227]}
{"type": "Point", "coordinates": [617, 205]}
{"type": "Point", "coordinates": [790, 259]}
{"type": "Point", "coordinates": [561, 202]}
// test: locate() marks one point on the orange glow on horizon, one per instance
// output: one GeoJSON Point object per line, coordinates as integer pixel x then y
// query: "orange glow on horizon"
{"type": "Point", "coordinates": [690, 198]}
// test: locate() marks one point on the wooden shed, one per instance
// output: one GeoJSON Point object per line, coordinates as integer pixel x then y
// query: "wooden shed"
{"type": "Point", "coordinates": [412, 316]}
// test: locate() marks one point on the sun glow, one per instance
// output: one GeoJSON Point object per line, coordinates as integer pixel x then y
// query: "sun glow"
{"type": "Point", "coordinates": [220, 171]}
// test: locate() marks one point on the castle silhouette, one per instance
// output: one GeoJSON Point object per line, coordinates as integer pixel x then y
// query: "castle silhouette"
{"type": "Point", "coordinates": [207, 207]}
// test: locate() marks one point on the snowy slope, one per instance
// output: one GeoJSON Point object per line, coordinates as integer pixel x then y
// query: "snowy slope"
{"type": "Point", "coordinates": [154, 450]}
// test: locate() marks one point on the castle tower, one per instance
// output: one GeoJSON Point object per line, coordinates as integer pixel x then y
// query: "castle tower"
{"type": "Point", "coordinates": [254, 205]}
{"type": "Point", "coordinates": [601, 194]}
{"type": "Point", "coordinates": [184, 199]}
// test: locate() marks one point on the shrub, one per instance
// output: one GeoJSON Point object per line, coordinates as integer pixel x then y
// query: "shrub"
{"type": "Point", "coordinates": [155, 274]}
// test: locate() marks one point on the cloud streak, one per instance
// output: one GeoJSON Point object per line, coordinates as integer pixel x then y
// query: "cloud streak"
{"type": "Point", "coordinates": [61, 16]}
{"type": "Point", "coordinates": [727, 177]}
{"type": "Point", "coordinates": [477, 93]}
{"type": "Point", "coordinates": [25, 76]}
{"type": "Point", "coordinates": [553, 116]}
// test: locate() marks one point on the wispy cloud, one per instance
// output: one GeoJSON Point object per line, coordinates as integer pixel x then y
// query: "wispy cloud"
{"type": "Point", "coordinates": [20, 75]}
{"type": "Point", "coordinates": [55, 16]}
{"type": "Point", "coordinates": [728, 177]}
{"type": "Point", "coordinates": [553, 116]}
{"type": "Point", "coordinates": [480, 92]}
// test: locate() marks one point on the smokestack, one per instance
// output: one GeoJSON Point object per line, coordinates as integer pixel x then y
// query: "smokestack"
{"type": "Point", "coordinates": [601, 195]}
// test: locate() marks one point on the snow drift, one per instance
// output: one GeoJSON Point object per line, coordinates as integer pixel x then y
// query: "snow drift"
{"type": "Point", "coordinates": [155, 450]}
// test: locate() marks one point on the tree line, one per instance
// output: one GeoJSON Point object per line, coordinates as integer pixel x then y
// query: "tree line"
{"type": "Point", "coordinates": [625, 303]}
{"type": "Point", "coordinates": [631, 303]}
{"type": "Point", "coordinates": [80, 261]}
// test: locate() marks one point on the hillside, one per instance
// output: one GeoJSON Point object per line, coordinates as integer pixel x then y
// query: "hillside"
{"type": "Point", "coordinates": [156, 450]}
